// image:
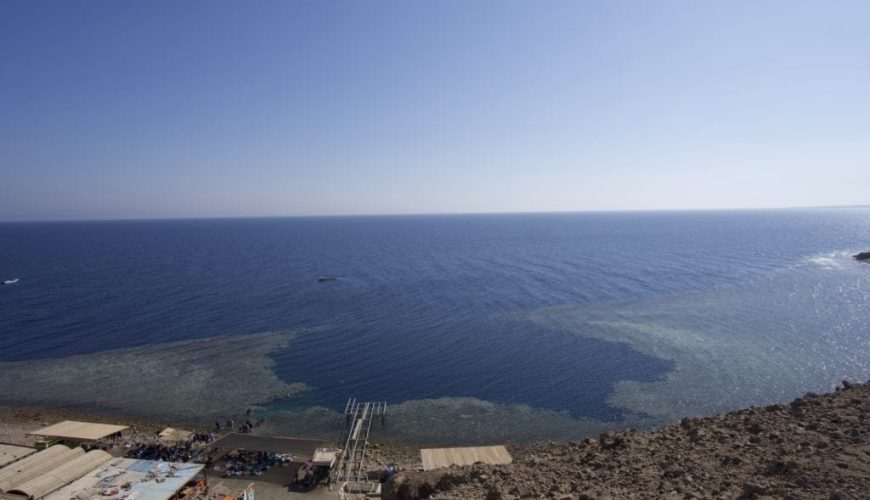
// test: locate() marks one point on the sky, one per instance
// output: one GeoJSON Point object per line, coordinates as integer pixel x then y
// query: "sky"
{"type": "Point", "coordinates": [214, 109]}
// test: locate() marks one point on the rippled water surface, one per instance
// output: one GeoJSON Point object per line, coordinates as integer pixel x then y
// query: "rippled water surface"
{"type": "Point", "coordinates": [473, 328]}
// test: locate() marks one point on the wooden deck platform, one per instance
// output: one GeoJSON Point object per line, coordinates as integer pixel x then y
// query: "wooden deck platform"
{"type": "Point", "coordinates": [435, 458]}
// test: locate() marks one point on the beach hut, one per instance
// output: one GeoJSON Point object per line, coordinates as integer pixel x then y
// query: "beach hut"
{"type": "Point", "coordinates": [62, 475]}
{"type": "Point", "coordinates": [10, 453]}
{"type": "Point", "coordinates": [170, 435]}
{"type": "Point", "coordinates": [35, 465]}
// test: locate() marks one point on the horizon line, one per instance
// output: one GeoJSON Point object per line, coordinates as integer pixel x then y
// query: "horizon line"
{"type": "Point", "coordinates": [425, 214]}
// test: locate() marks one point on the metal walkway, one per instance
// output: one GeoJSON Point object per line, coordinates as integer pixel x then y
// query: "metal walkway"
{"type": "Point", "coordinates": [359, 417]}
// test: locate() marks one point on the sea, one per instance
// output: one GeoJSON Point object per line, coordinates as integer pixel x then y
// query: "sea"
{"type": "Point", "coordinates": [472, 328]}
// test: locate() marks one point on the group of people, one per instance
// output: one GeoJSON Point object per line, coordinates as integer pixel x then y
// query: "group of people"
{"type": "Point", "coordinates": [245, 427]}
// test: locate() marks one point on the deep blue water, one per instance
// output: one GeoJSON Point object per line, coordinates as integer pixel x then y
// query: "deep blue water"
{"type": "Point", "coordinates": [438, 306]}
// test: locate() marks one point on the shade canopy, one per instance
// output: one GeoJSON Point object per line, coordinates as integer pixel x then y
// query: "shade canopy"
{"type": "Point", "coordinates": [79, 431]}
{"type": "Point", "coordinates": [303, 448]}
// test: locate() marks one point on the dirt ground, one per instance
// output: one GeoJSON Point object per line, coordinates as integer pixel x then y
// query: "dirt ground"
{"type": "Point", "coordinates": [266, 490]}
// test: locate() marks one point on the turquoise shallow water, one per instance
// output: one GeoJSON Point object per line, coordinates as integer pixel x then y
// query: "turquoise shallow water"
{"type": "Point", "coordinates": [509, 327]}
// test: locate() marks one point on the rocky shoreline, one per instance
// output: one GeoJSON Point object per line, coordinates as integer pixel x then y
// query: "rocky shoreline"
{"type": "Point", "coordinates": [817, 446]}
{"type": "Point", "coordinates": [17, 421]}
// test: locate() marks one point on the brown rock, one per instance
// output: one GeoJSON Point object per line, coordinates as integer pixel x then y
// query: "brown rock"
{"type": "Point", "coordinates": [815, 447]}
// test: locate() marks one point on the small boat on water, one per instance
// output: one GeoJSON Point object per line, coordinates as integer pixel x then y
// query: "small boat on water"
{"type": "Point", "coordinates": [10, 282]}
{"type": "Point", "coordinates": [326, 278]}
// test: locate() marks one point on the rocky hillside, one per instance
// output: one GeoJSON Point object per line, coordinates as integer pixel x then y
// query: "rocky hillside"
{"type": "Point", "coordinates": [815, 447]}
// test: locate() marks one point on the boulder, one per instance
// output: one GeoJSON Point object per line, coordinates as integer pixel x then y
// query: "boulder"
{"type": "Point", "coordinates": [865, 256]}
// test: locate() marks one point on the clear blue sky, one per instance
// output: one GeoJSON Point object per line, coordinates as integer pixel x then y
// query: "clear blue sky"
{"type": "Point", "coordinates": [116, 109]}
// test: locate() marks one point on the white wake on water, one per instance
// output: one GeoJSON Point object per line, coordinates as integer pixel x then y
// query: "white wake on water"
{"type": "Point", "coordinates": [833, 260]}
